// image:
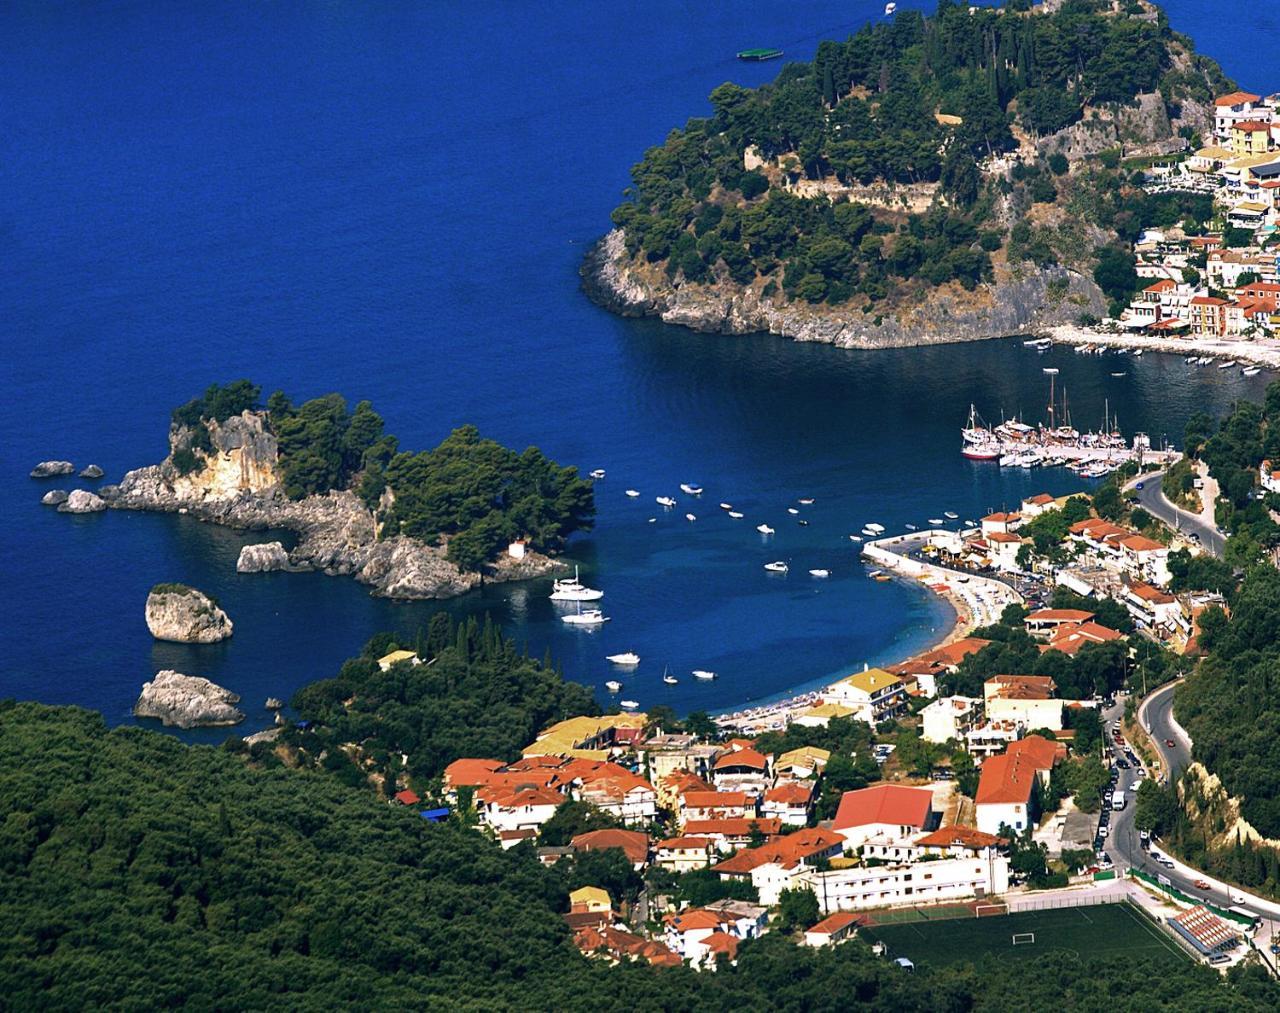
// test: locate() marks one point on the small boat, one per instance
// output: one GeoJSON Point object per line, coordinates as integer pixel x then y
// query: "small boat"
{"type": "Point", "coordinates": [1119, 374]}
{"type": "Point", "coordinates": [1137, 352]}
{"type": "Point", "coordinates": [1051, 370]}
{"type": "Point", "coordinates": [868, 532]}
{"type": "Point", "coordinates": [735, 515]}
{"type": "Point", "coordinates": [889, 9]}
{"type": "Point", "coordinates": [764, 529]}
{"type": "Point", "coordinates": [692, 490]}
{"type": "Point", "coordinates": [690, 517]}
{"type": "Point", "coordinates": [1190, 360]}
{"type": "Point", "coordinates": [1251, 370]}
{"type": "Point", "coordinates": [911, 527]}
{"type": "Point", "coordinates": [936, 521]}
{"type": "Point", "coordinates": [574, 590]}
{"type": "Point", "coordinates": [653, 520]}
{"type": "Point", "coordinates": [777, 566]}
{"type": "Point", "coordinates": [792, 510]}
{"type": "Point", "coordinates": [855, 538]}
{"type": "Point", "coordinates": [726, 506]}
{"type": "Point", "coordinates": [877, 528]}
{"type": "Point", "coordinates": [626, 658]}
{"type": "Point", "coordinates": [633, 493]}
{"type": "Point", "coordinates": [665, 501]}
{"type": "Point", "coordinates": [949, 515]}
{"type": "Point", "coordinates": [805, 501]}
{"type": "Point", "coordinates": [670, 679]}
{"type": "Point", "coordinates": [803, 523]}
{"type": "Point", "coordinates": [819, 573]}
{"type": "Point", "coordinates": [613, 686]}
{"type": "Point", "coordinates": [598, 474]}
{"type": "Point", "coordinates": [702, 673]}
{"type": "Point", "coordinates": [882, 577]}
{"type": "Point", "coordinates": [874, 573]}
{"type": "Point", "coordinates": [1226, 365]}
{"type": "Point", "coordinates": [592, 617]}
{"type": "Point", "coordinates": [759, 54]}
{"type": "Point", "coordinates": [975, 452]}
{"type": "Point", "coordinates": [629, 705]}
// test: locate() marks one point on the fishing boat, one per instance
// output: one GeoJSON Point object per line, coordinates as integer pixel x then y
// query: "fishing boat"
{"type": "Point", "coordinates": [777, 566]}
{"type": "Point", "coordinates": [625, 658]}
{"type": "Point", "coordinates": [591, 617]}
{"type": "Point", "coordinates": [1119, 374]}
{"type": "Point", "coordinates": [633, 493]}
{"type": "Point", "coordinates": [759, 54]}
{"type": "Point", "coordinates": [1251, 370]}
{"type": "Point", "coordinates": [764, 529]}
{"type": "Point", "coordinates": [792, 510]}
{"type": "Point", "coordinates": [805, 501]}
{"type": "Point", "coordinates": [949, 515]}
{"type": "Point", "coordinates": [735, 515]}
{"type": "Point", "coordinates": [598, 474]}
{"type": "Point", "coordinates": [819, 573]}
{"type": "Point", "coordinates": [574, 590]}
{"type": "Point", "coordinates": [690, 517]}
{"type": "Point", "coordinates": [629, 704]}
{"type": "Point", "coordinates": [726, 506]}
{"type": "Point", "coordinates": [702, 673]}
{"type": "Point", "coordinates": [613, 686]}
{"type": "Point", "coordinates": [665, 501]}
{"type": "Point", "coordinates": [691, 489]}
{"type": "Point", "coordinates": [1229, 364]}
{"type": "Point", "coordinates": [978, 453]}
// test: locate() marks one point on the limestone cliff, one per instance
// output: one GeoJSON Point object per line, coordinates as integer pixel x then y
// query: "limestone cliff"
{"type": "Point", "coordinates": [187, 701]}
{"type": "Point", "coordinates": [186, 616]}
{"type": "Point", "coordinates": [238, 484]}
{"type": "Point", "coordinates": [1018, 301]}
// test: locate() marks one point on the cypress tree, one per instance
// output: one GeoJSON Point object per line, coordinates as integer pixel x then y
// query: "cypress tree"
{"type": "Point", "coordinates": [828, 86]}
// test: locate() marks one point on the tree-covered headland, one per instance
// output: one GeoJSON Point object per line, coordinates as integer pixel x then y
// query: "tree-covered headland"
{"type": "Point", "coordinates": [469, 492]}
{"type": "Point", "coordinates": [770, 190]}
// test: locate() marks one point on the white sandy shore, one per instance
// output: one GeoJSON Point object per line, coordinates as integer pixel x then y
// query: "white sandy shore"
{"type": "Point", "coordinates": [1261, 352]}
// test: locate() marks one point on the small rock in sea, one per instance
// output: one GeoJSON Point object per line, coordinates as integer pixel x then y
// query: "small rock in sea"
{"type": "Point", "coordinates": [274, 703]}
{"type": "Point", "coordinates": [49, 469]}
{"type": "Point", "coordinates": [92, 471]}
{"type": "Point", "coordinates": [55, 497]}
{"type": "Point", "coordinates": [182, 614]}
{"type": "Point", "coordinates": [262, 558]}
{"type": "Point", "coordinates": [81, 501]}
{"type": "Point", "coordinates": [187, 701]}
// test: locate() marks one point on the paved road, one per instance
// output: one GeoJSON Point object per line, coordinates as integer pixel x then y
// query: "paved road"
{"type": "Point", "coordinates": [1154, 502]}
{"type": "Point", "coordinates": [1156, 716]}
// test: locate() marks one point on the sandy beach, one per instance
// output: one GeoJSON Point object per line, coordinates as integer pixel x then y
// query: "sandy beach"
{"type": "Point", "coordinates": [1260, 352]}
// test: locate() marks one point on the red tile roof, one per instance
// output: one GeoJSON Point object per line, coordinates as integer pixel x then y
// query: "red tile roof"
{"type": "Point", "coordinates": [698, 918]}
{"type": "Point", "coordinates": [407, 797]}
{"type": "Point", "coordinates": [770, 826]}
{"type": "Point", "coordinates": [787, 851]}
{"type": "Point", "coordinates": [683, 844]}
{"type": "Point", "coordinates": [940, 658]}
{"type": "Point", "coordinates": [1252, 126]}
{"type": "Point", "coordinates": [791, 793]}
{"type": "Point", "coordinates": [742, 758]}
{"type": "Point", "coordinates": [1059, 616]}
{"type": "Point", "coordinates": [1071, 637]}
{"type": "Point", "coordinates": [1141, 543]}
{"type": "Point", "coordinates": [505, 798]}
{"type": "Point", "coordinates": [634, 845]}
{"type": "Point", "coordinates": [896, 805]}
{"type": "Point", "coordinates": [1002, 518]}
{"type": "Point", "coordinates": [1038, 750]}
{"type": "Point", "coordinates": [1236, 98]}
{"type": "Point", "coordinates": [714, 799]}
{"type": "Point", "coordinates": [1023, 687]}
{"type": "Point", "coordinates": [1009, 777]}
{"type": "Point", "coordinates": [965, 837]}
{"type": "Point", "coordinates": [722, 942]}
{"type": "Point", "coordinates": [470, 772]}
{"type": "Point", "coordinates": [833, 923]}
{"type": "Point", "coordinates": [1003, 536]}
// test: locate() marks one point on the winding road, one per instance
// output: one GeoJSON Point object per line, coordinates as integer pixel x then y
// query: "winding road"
{"type": "Point", "coordinates": [1151, 497]}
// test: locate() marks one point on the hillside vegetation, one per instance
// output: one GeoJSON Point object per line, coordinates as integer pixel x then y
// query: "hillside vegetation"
{"type": "Point", "coordinates": [766, 189]}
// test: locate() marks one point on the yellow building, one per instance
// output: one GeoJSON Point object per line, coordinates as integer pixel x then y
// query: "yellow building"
{"type": "Point", "coordinates": [802, 762]}
{"type": "Point", "coordinates": [588, 738]}
{"type": "Point", "coordinates": [1251, 137]}
{"type": "Point", "coordinates": [874, 694]}
{"type": "Point", "coordinates": [395, 657]}
{"type": "Point", "coordinates": [592, 899]}
{"type": "Point", "coordinates": [818, 715]}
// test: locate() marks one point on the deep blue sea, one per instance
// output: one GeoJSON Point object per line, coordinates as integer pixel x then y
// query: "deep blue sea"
{"type": "Point", "coordinates": [391, 200]}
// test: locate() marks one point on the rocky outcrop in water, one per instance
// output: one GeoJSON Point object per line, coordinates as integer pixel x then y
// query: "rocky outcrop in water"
{"type": "Point", "coordinates": [55, 497]}
{"type": "Point", "coordinates": [184, 615]}
{"type": "Point", "coordinates": [187, 701]}
{"type": "Point", "coordinates": [51, 469]}
{"type": "Point", "coordinates": [239, 484]}
{"type": "Point", "coordinates": [262, 558]}
{"type": "Point", "coordinates": [92, 471]}
{"type": "Point", "coordinates": [81, 501]}
{"type": "Point", "coordinates": [1020, 300]}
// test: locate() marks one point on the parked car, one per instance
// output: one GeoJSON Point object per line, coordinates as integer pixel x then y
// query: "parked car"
{"type": "Point", "coordinates": [1202, 885]}
{"type": "Point", "coordinates": [1170, 743]}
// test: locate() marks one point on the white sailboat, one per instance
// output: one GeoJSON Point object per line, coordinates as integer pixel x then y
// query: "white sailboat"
{"type": "Point", "coordinates": [777, 566]}
{"type": "Point", "coordinates": [591, 617]}
{"type": "Point", "coordinates": [574, 590]}
{"type": "Point", "coordinates": [690, 517]}
{"type": "Point", "coordinates": [665, 501]}
{"type": "Point", "coordinates": [764, 529]}
{"type": "Point", "coordinates": [629, 705]}
{"type": "Point", "coordinates": [819, 573]}
{"type": "Point", "coordinates": [633, 493]}
{"type": "Point", "coordinates": [735, 515]}
{"type": "Point", "coordinates": [626, 658]}
{"type": "Point", "coordinates": [668, 678]}
{"type": "Point", "coordinates": [691, 489]}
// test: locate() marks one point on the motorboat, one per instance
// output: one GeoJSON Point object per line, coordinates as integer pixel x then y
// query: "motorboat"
{"type": "Point", "coordinates": [625, 658]}
{"type": "Point", "coordinates": [702, 673]}
{"type": "Point", "coordinates": [574, 590]}
{"type": "Point", "coordinates": [653, 520]}
{"type": "Point", "coordinates": [665, 501]}
{"type": "Point", "coordinates": [633, 493]}
{"type": "Point", "coordinates": [735, 515]}
{"type": "Point", "coordinates": [629, 704]}
{"type": "Point", "coordinates": [690, 517]}
{"type": "Point", "coordinates": [764, 529]}
{"type": "Point", "coordinates": [874, 573]}
{"type": "Point", "coordinates": [792, 510]}
{"type": "Point", "coordinates": [805, 501]}
{"type": "Point", "coordinates": [692, 490]}
{"type": "Point", "coordinates": [1251, 370]}
{"type": "Point", "coordinates": [819, 573]}
{"type": "Point", "coordinates": [935, 521]}
{"type": "Point", "coordinates": [1119, 374]}
{"type": "Point", "coordinates": [976, 452]}
{"type": "Point", "coordinates": [613, 686]}
{"type": "Point", "coordinates": [868, 532]}
{"type": "Point", "coordinates": [598, 474]}
{"type": "Point", "coordinates": [1190, 360]}
{"type": "Point", "coordinates": [803, 523]}
{"type": "Point", "coordinates": [949, 515]}
{"type": "Point", "coordinates": [591, 617]}
{"type": "Point", "coordinates": [855, 538]}
{"type": "Point", "coordinates": [726, 506]}
{"type": "Point", "coordinates": [1137, 352]}
{"type": "Point", "coordinates": [877, 528]}
{"type": "Point", "coordinates": [777, 566]}
{"type": "Point", "coordinates": [1230, 363]}
{"type": "Point", "coordinates": [889, 8]}
{"type": "Point", "coordinates": [912, 527]}
{"type": "Point", "coordinates": [1050, 370]}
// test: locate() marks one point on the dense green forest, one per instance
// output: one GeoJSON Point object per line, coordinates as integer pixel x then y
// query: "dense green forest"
{"type": "Point", "coordinates": [137, 872]}
{"type": "Point", "coordinates": [471, 492]}
{"type": "Point", "coordinates": [872, 108]}
{"type": "Point", "coordinates": [475, 694]}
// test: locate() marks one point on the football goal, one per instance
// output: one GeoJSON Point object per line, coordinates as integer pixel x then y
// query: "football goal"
{"type": "Point", "coordinates": [1019, 938]}
{"type": "Point", "coordinates": [988, 910]}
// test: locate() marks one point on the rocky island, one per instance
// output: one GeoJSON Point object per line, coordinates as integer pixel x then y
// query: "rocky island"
{"type": "Point", "coordinates": [187, 701]}
{"type": "Point", "coordinates": [954, 177]}
{"type": "Point", "coordinates": [184, 615]}
{"type": "Point", "coordinates": [431, 524]}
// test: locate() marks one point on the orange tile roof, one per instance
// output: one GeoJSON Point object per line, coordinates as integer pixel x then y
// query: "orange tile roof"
{"type": "Point", "coordinates": [1152, 594]}
{"type": "Point", "coordinates": [1038, 750]}
{"type": "Point", "coordinates": [792, 793]}
{"type": "Point", "coordinates": [737, 826]}
{"type": "Point", "coordinates": [698, 918]}
{"type": "Point", "coordinates": [1023, 687]}
{"type": "Point", "coordinates": [946, 656]}
{"type": "Point", "coordinates": [507, 799]}
{"type": "Point", "coordinates": [965, 837]}
{"type": "Point", "coordinates": [1005, 779]}
{"type": "Point", "coordinates": [788, 851]}
{"type": "Point", "coordinates": [1236, 98]}
{"type": "Point", "coordinates": [1003, 536]}
{"type": "Point", "coordinates": [893, 804]}
{"type": "Point", "coordinates": [1163, 285]}
{"type": "Point", "coordinates": [683, 844]}
{"type": "Point", "coordinates": [407, 797]}
{"type": "Point", "coordinates": [633, 843]}
{"type": "Point", "coordinates": [471, 772]}
{"type": "Point", "coordinates": [681, 781]}
{"type": "Point", "coordinates": [1251, 126]}
{"type": "Point", "coordinates": [1141, 543]}
{"type": "Point", "coordinates": [742, 758]}
{"type": "Point", "coordinates": [722, 942]}
{"type": "Point", "coordinates": [1003, 518]}
{"type": "Point", "coordinates": [1059, 616]}
{"type": "Point", "coordinates": [714, 799]}
{"type": "Point", "coordinates": [835, 922]}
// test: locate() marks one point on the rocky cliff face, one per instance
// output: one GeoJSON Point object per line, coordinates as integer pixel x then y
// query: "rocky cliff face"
{"type": "Point", "coordinates": [262, 558]}
{"type": "Point", "coordinates": [184, 615]}
{"type": "Point", "coordinates": [1018, 301]}
{"type": "Point", "coordinates": [187, 701]}
{"type": "Point", "coordinates": [240, 486]}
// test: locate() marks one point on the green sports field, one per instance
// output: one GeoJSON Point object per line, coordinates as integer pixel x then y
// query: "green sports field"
{"type": "Point", "coordinates": [1102, 930]}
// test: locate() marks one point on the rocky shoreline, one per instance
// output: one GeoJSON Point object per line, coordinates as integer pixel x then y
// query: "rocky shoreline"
{"type": "Point", "coordinates": [1020, 300]}
{"type": "Point", "coordinates": [239, 487]}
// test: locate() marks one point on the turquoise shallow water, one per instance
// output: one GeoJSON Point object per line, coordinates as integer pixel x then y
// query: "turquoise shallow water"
{"type": "Point", "coordinates": [392, 201]}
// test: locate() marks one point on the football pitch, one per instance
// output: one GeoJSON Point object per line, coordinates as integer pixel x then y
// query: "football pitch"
{"type": "Point", "coordinates": [1101, 930]}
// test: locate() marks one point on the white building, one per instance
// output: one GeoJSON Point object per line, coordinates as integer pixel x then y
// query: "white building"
{"type": "Point", "coordinates": [873, 695]}
{"type": "Point", "coordinates": [1269, 477]}
{"type": "Point", "coordinates": [951, 879]}
{"type": "Point", "coordinates": [950, 717]}
{"type": "Point", "coordinates": [1023, 699]}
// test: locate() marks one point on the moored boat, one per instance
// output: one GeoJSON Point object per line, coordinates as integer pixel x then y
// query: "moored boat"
{"type": "Point", "coordinates": [691, 489]}
{"type": "Point", "coordinates": [758, 54]}
{"type": "Point", "coordinates": [598, 474]}
{"type": "Point", "coordinates": [665, 501]}
{"type": "Point", "coordinates": [777, 566]}
{"type": "Point", "coordinates": [819, 573]}
{"type": "Point", "coordinates": [613, 686]}
{"type": "Point", "coordinates": [735, 515]}
{"type": "Point", "coordinates": [572, 589]}
{"type": "Point", "coordinates": [633, 493]}
{"type": "Point", "coordinates": [629, 704]}
{"type": "Point", "coordinates": [592, 617]}
{"type": "Point", "coordinates": [625, 658]}
{"type": "Point", "coordinates": [702, 673]}
{"type": "Point", "coordinates": [764, 529]}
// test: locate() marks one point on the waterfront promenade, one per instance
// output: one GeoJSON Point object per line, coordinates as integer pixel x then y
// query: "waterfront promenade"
{"type": "Point", "coordinates": [1262, 352]}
